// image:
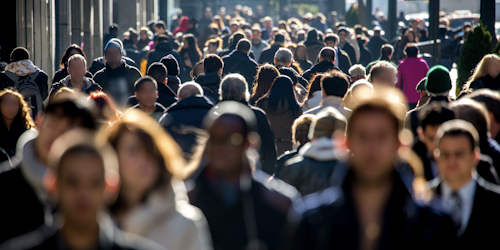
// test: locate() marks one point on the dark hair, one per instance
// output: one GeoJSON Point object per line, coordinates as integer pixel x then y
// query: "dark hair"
{"type": "Point", "coordinates": [235, 38]}
{"type": "Point", "coordinates": [19, 54]}
{"type": "Point", "coordinates": [64, 60]}
{"type": "Point", "coordinates": [332, 37]}
{"type": "Point", "coordinates": [376, 105]}
{"type": "Point", "coordinates": [327, 54]}
{"type": "Point", "coordinates": [266, 75]}
{"type": "Point", "coordinates": [335, 84]}
{"type": "Point", "coordinates": [343, 29]}
{"type": "Point", "coordinates": [193, 50]}
{"type": "Point", "coordinates": [287, 71]}
{"type": "Point", "coordinates": [455, 128]}
{"type": "Point", "coordinates": [160, 25]}
{"type": "Point", "coordinates": [158, 71]}
{"type": "Point", "coordinates": [490, 98]}
{"type": "Point", "coordinates": [68, 108]}
{"type": "Point", "coordinates": [386, 50]}
{"type": "Point", "coordinates": [434, 113]}
{"type": "Point", "coordinates": [358, 29]}
{"type": "Point", "coordinates": [162, 38]}
{"type": "Point", "coordinates": [314, 86]}
{"type": "Point", "coordinates": [196, 71]}
{"type": "Point", "coordinates": [171, 64]}
{"type": "Point", "coordinates": [141, 81]}
{"type": "Point", "coordinates": [405, 40]}
{"type": "Point", "coordinates": [473, 112]}
{"type": "Point", "coordinates": [300, 45]}
{"type": "Point", "coordinates": [212, 63]}
{"type": "Point", "coordinates": [113, 28]}
{"type": "Point", "coordinates": [411, 50]}
{"type": "Point", "coordinates": [244, 45]}
{"type": "Point", "coordinates": [281, 93]}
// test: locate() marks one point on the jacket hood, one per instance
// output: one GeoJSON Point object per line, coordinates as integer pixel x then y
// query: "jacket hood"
{"type": "Point", "coordinates": [22, 68]}
{"type": "Point", "coordinates": [196, 101]}
{"type": "Point", "coordinates": [319, 150]}
{"type": "Point", "coordinates": [88, 82]}
{"type": "Point", "coordinates": [211, 78]}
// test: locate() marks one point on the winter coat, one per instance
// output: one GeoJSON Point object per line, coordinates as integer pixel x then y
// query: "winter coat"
{"type": "Point", "coordinates": [98, 64]}
{"type": "Point", "coordinates": [365, 57]}
{"type": "Point", "coordinates": [305, 64]}
{"type": "Point", "coordinates": [344, 63]}
{"type": "Point", "coordinates": [486, 82]}
{"type": "Point", "coordinates": [410, 71]}
{"type": "Point", "coordinates": [118, 82]}
{"type": "Point", "coordinates": [414, 112]}
{"type": "Point", "coordinates": [164, 49]}
{"type": "Point", "coordinates": [62, 73]}
{"type": "Point", "coordinates": [321, 67]}
{"type": "Point", "coordinates": [239, 62]}
{"type": "Point", "coordinates": [266, 200]}
{"type": "Point", "coordinates": [349, 49]}
{"type": "Point", "coordinates": [88, 87]}
{"type": "Point", "coordinates": [267, 55]}
{"type": "Point", "coordinates": [310, 170]}
{"type": "Point", "coordinates": [167, 218]}
{"type": "Point", "coordinates": [10, 137]}
{"type": "Point", "coordinates": [184, 121]}
{"type": "Point", "coordinates": [166, 97]}
{"type": "Point", "coordinates": [313, 101]}
{"type": "Point", "coordinates": [330, 101]}
{"type": "Point", "coordinates": [375, 45]}
{"type": "Point", "coordinates": [313, 49]}
{"type": "Point", "coordinates": [210, 82]}
{"type": "Point", "coordinates": [281, 122]}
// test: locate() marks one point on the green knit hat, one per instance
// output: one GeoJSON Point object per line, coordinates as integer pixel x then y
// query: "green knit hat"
{"type": "Point", "coordinates": [438, 81]}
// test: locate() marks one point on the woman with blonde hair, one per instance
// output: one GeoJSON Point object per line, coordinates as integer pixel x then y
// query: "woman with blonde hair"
{"type": "Point", "coordinates": [152, 201]}
{"type": "Point", "coordinates": [486, 75]}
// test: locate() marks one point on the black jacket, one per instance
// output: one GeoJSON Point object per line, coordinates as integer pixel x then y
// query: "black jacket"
{"type": "Point", "coordinates": [163, 49]}
{"type": "Point", "coordinates": [481, 231]}
{"type": "Point", "coordinates": [183, 120]}
{"type": "Point", "coordinates": [10, 137]}
{"type": "Point", "coordinates": [375, 45]}
{"type": "Point", "coordinates": [329, 220]}
{"type": "Point", "coordinates": [239, 62]}
{"type": "Point", "coordinates": [411, 116]}
{"type": "Point", "coordinates": [486, 82]}
{"type": "Point", "coordinates": [98, 64]}
{"type": "Point", "coordinates": [62, 73]}
{"type": "Point", "coordinates": [344, 61]}
{"type": "Point", "coordinates": [365, 57]}
{"type": "Point", "coordinates": [350, 51]}
{"type": "Point", "coordinates": [210, 82]}
{"type": "Point", "coordinates": [321, 67]}
{"type": "Point", "coordinates": [313, 49]}
{"type": "Point", "coordinates": [89, 85]}
{"type": "Point", "coordinates": [305, 64]}
{"type": "Point", "coordinates": [118, 82]}
{"type": "Point", "coordinates": [264, 205]}
{"type": "Point", "coordinates": [230, 50]}
{"type": "Point", "coordinates": [166, 97]}
{"type": "Point", "coordinates": [280, 163]}
{"type": "Point", "coordinates": [267, 55]}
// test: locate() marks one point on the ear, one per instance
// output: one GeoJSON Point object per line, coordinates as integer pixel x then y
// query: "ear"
{"type": "Point", "coordinates": [420, 133]}
{"type": "Point", "coordinates": [67, 69]}
{"type": "Point", "coordinates": [274, 60]}
{"type": "Point", "coordinates": [112, 186]}
{"type": "Point", "coordinates": [38, 120]}
{"type": "Point", "coordinates": [166, 81]}
{"type": "Point", "coordinates": [157, 94]}
{"type": "Point", "coordinates": [477, 156]}
{"type": "Point", "coordinates": [50, 183]}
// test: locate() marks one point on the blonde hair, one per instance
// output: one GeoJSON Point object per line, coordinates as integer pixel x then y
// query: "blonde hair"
{"type": "Point", "coordinates": [481, 69]}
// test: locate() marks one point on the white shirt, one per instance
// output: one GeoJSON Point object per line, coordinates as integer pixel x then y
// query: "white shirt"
{"type": "Point", "coordinates": [467, 193]}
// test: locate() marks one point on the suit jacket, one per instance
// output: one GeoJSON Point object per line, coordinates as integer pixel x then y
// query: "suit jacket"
{"type": "Point", "coordinates": [482, 230]}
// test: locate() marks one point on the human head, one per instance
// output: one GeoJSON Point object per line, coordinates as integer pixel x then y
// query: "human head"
{"type": "Point", "coordinates": [334, 84]}
{"type": "Point", "coordinates": [144, 33]}
{"type": "Point", "coordinates": [213, 45]}
{"type": "Point", "coordinates": [113, 53]}
{"type": "Point", "coordinates": [438, 81]}
{"type": "Point", "coordinates": [265, 78]}
{"type": "Point", "coordinates": [113, 29]}
{"type": "Point", "coordinates": [473, 112]}
{"type": "Point", "coordinates": [70, 51]}
{"type": "Point", "coordinates": [411, 50]}
{"type": "Point", "coordinates": [279, 39]}
{"type": "Point", "coordinates": [282, 91]}
{"type": "Point", "coordinates": [411, 36]}
{"type": "Point", "coordinates": [343, 34]}
{"type": "Point", "coordinates": [430, 118]}
{"type": "Point", "coordinates": [490, 99]}
{"type": "Point", "coordinates": [160, 27]}
{"type": "Point", "coordinates": [328, 121]}
{"type": "Point", "coordinates": [331, 40]}
{"type": "Point", "coordinates": [457, 152]}
{"type": "Point", "coordinates": [489, 65]}
{"type": "Point", "coordinates": [133, 36]}
{"type": "Point", "coordinates": [19, 54]}
{"type": "Point", "coordinates": [105, 107]}
{"type": "Point", "coordinates": [386, 51]}
{"type": "Point", "coordinates": [283, 57]}
{"type": "Point", "coordinates": [171, 64]}
{"type": "Point", "coordinates": [301, 52]}
{"type": "Point", "coordinates": [383, 73]}
{"type": "Point", "coordinates": [327, 54]}
{"type": "Point", "coordinates": [234, 87]}
{"type": "Point", "coordinates": [233, 27]}
{"type": "Point", "coordinates": [158, 71]}
{"type": "Point", "coordinates": [146, 91]}
{"type": "Point", "coordinates": [244, 45]}
{"type": "Point", "coordinates": [213, 63]}
{"type": "Point", "coordinates": [77, 67]}
{"type": "Point", "coordinates": [357, 72]}
{"type": "Point", "coordinates": [197, 70]}
{"type": "Point", "coordinates": [189, 89]}
{"type": "Point", "coordinates": [300, 129]}
{"type": "Point", "coordinates": [13, 106]}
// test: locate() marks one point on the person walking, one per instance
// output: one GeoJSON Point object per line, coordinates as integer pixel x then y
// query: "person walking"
{"type": "Point", "coordinates": [410, 71]}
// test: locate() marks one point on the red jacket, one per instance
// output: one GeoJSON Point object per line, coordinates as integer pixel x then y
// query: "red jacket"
{"type": "Point", "coordinates": [410, 71]}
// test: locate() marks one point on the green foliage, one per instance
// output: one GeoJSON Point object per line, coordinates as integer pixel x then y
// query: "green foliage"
{"type": "Point", "coordinates": [352, 16]}
{"type": "Point", "coordinates": [496, 50]}
{"type": "Point", "coordinates": [477, 44]}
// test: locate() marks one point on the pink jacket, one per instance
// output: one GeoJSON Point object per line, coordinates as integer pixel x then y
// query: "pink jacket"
{"type": "Point", "coordinates": [410, 71]}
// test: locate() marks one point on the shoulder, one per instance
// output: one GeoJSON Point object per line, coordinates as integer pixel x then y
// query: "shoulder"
{"type": "Point", "coordinates": [37, 239]}
{"type": "Point", "coordinates": [132, 69]}
{"type": "Point", "coordinates": [318, 202]}
{"type": "Point", "coordinates": [277, 186]}
{"type": "Point", "coordinates": [128, 241]}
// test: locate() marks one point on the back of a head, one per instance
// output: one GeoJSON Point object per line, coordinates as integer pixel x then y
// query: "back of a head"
{"type": "Point", "coordinates": [386, 50]}
{"type": "Point", "coordinates": [312, 35]}
{"type": "Point", "coordinates": [378, 68]}
{"type": "Point", "coordinates": [357, 70]}
{"type": "Point", "coordinates": [171, 64]}
{"type": "Point", "coordinates": [332, 37]}
{"type": "Point", "coordinates": [244, 45]}
{"type": "Point", "coordinates": [473, 112]}
{"type": "Point", "coordinates": [282, 93]}
{"type": "Point", "coordinates": [434, 113]}
{"type": "Point", "coordinates": [212, 63]}
{"type": "Point", "coordinates": [279, 38]}
{"type": "Point", "coordinates": [162, 38]}
{"type": "Point", "coordinates": [490, 98]}
{"type": "Point", "coordinates": [327, 54]}
{"type": "Point", "coordinates": [328, 121]}
{"type": "Point", "coordinates": [74, 108]}
{"type": "Point", "coordinates": [158, 71]}
{"type": "Point", "coordinates": [19, 54]}
{"type": "Point", "coordinates": [189, 89]}
{"type": "Point", "coordinates": [287, 71]}
{"type": "Point", "coordinates": [283, 55]}
{"type": "Point", "coordinates": [335, 84]}
{"type": "Point", "coordinates": [300, 129]}
{"type": "Point", "coordinates": [236, 37]}
{"type": "Point", "coordinates": [234, 87]}
{"type": "Point", "coordinates": [411, 50]}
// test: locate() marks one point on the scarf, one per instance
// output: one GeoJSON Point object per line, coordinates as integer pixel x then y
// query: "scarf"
{"type": "Point", "coordinates": [22, 68]}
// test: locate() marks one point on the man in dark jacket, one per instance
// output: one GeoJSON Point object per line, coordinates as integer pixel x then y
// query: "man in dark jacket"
{"type": "Point", "coordinates": [283, 59]}
{"type": "Point", "coordinates": [244, 209]}
{"type": "Point", "coordinates": [173, 71]}
{"type": "Point", "coordinates": [80, 168]}
{"type": "Point", "coordinates": [239, 62]}
{"type": "Point", "coordinates": [326, 63]}
{"type": "Point", "coordinates": [313, 45]}
{"type": "Point", "coordinates": [117, 78]}
{"type": "Point", "coordinates": [146, 93]}
{"type": "Point", "coordinates": [341, 57]}
{"type": "Point", "coordinates": [472, 203]}
{"type": "Point", "coordinates": [184, 119]}
{"type": "Point", "coordinates": [26, 205]}
{"type": "Point", "coordinates": [234, 88]}
{"type": "Point", "coordinates": [345, 46]}
{"type": "Point", "coordinates": [210, 79]}
{"type": "Point", "coordinates": [386, 52]}
{"type": "Point", "coordinates": [371, 201]}
{"type": "Point", "coordinates": [163, 49]}
{"type": "Point", "coordinates": [376, 42]}
{"type": "Point", "coordinates": [233, 42]}
{"type": "Point", "coordinates": [311, 169]}
{"type": "Point", "coordinates": [100, 62]}
{"type": "Point", "coordinates": [267, 55]}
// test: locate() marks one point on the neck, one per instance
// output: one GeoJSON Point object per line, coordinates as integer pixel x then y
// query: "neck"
{"type": "Point", "coordinates": [8, 122]}
{"type": "Point", "coordinates": [147, 109]}
{"type": "Point", "coordinates": [455, 185]}
{"type": "Point", "coordinates": [81, 236]}
{"type": "Point", "coordinates": [115, 65]}
{"type": "Point", "coordinates": [77, 83]}
{"type": "Point", "coordinates": [256, 40]}
{"type": "Point", "coordinates": [377, 183]}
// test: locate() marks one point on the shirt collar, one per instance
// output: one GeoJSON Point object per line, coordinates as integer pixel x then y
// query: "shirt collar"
{"type": "Point", "coordinates": [466, 192]}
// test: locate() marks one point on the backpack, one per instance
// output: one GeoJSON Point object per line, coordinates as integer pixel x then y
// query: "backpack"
{"type": "Point", "coordinates": [29, 89]}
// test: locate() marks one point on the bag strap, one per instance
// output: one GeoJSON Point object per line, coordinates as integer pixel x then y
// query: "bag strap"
{"type": "Point", "coordinates": [12, 76]}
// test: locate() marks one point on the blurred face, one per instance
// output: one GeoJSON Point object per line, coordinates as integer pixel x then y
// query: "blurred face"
{"type": "Point", "coordinates": [113, 56]}
{"type": "Point", "coordinates": [275, 32]}
{"type": "Point", "coordinates": [77, 69]}
{"type": "Point", "coordinates": [301, 53]}
{"type": "Point", "coordinates": [255, 34]}
{"type": "Point", "coordinates": [411, 38]}
{"type": "Point", "coordinates": [226, 146]}
{"type": "Point", "coordinates": [493, 68]}
{"type": "Point", "coordinates": [373, 143]}
{"type": "Point", "coordinates": [386, 77]}
{"type": "Point", "coordinates": [73, 52]}
{"type": "Point", "coordinates": [80, 188]}
{"type": "Point", "coordinates": [52, 127]}
{"type": "Point", "coordinates": [139, 170]}
{"type": "Point", "coordinates": [342, 36]}
{"type": "Point", "coordinates": [144, 35]}
{"type": "Point", "coordinates": [268, 23]}
{"type": "Point", "coordinates": [147, 94]}
{"type": "Point", "coordinates": [456, 159]}
{"type": "Point", "coordinates": [233, 28]}
{"type": "Point", "coordinates": [330, 43]}
{"type": "Point", "coordinates": [9, 107]}
{"type": "Point", "coordinates": [212, 48]}
{"type": "Point", "coordinates": [427, 135]}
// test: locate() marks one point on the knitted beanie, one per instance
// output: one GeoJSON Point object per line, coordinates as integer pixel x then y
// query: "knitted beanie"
{"type": "Point", "coordinates": [438, 81]}
{"type": "Point", "coordinates": [171, 64]}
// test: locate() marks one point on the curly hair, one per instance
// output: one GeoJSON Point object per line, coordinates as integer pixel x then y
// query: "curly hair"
{"type": "Point", "coordinates": [24, 112]}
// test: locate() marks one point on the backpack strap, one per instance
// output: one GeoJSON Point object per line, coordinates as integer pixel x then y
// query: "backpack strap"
{"type": "Point", "coordinates": [33, 76]}
{"type": "Point", "coordinates": [12, 76]}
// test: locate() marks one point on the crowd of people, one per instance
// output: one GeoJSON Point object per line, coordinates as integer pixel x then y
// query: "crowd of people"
{"type": "Point", "coordinates": [233, 133]}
